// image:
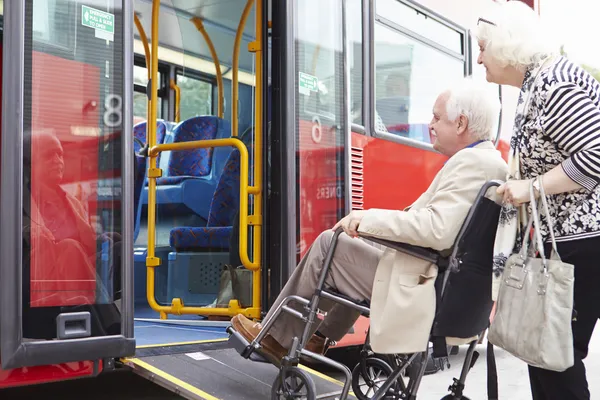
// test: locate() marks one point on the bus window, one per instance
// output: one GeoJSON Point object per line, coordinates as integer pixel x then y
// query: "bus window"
{"type": "Point", "coordinates": [409, 75]}
{"type": "Point", "coordinates": [73, 117]}
{"type": "Point", "coordinates": [355, 54]}
{"type": "Point", "coordinates": [196, 97]}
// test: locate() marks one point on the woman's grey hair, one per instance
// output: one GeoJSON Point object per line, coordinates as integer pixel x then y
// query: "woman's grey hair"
{"type": "Point", "coordinates": [513, 34]}
{"type": "Point", "coordinates": [479, 102]}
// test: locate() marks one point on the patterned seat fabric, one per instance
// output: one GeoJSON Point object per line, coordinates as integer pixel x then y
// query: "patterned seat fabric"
{"type": "Point", "coordinates": [139, 132]}
{"type": "Point", "coordinates": [223, 210]}
{"type": "Point", "coordinates": [191, 163]}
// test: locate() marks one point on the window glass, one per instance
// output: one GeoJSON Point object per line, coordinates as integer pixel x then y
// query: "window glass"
{"type": "Point", "coordinates": [140, 76]}
{"type": "Point", "coordinates": [409, 76]}
{"type": "Point", "coordinates": [196, 97]}
{"type": "Point", "coordinates": [73, 119]}
{"type": "Point", "coordinates": [420, 23]}
{"type": "Point", "coordinates": [355, 54]}
{"type": "Point", "coordinates": [321, 126]}
{"type": "Point", "coordinates": [140, 107]}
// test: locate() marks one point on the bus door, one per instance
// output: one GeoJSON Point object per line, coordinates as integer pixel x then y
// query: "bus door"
{"type": "Point", "coordinates": [67, 168]}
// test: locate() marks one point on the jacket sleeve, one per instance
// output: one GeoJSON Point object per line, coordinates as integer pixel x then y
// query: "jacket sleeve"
{"type": "Point", "coordinates": [572, 120]}
{"type": "Point", "coordinates": [436, 225]}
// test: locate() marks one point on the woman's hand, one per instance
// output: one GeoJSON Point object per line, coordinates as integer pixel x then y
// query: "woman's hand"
{"type": "Point", "coordinates": [350, 223]}
{"type": "Point", "coordinates": [515, 192]}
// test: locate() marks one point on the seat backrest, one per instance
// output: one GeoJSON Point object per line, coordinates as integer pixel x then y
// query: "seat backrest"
{"type": "Point", "coordinates": [139, 132]}
{"type": "Point", "coordinates": [225, 203]}
{"type": "Point", "coordinates": [466, 305]}
{"type": "Point", "coordinates": [197, 162]}
{"type": "Point", "coordinates": [139, 178]}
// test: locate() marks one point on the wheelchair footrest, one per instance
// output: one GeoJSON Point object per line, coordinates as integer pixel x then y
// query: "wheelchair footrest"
{"type": "Point", "coordinates": [242, 346]}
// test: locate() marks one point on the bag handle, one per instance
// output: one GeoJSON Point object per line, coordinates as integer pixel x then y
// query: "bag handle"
{"type": "Point", "coordinates": [537, 225]}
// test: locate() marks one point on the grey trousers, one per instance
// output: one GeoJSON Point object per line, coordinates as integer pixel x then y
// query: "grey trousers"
{"type": "Point", "coordinates": [352, 273]}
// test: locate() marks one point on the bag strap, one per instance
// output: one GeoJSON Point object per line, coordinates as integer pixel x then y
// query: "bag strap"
{"type": "Point", "coordinates": [548, 219]}
{"type": "Point", "coordinates": [492, 373]}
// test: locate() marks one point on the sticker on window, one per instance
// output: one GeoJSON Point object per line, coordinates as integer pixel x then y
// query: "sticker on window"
{"type": "Point", "coordinates": [102, 22]}
{"type": "Point", "coordinates": [307, 83]}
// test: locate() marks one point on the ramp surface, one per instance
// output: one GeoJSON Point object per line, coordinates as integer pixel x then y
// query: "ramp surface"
{"type": "Point", "coordinates": [214, 371]}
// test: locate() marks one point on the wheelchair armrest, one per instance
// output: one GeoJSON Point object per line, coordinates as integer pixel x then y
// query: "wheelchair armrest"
{"type": "Point", "coordinates": [423, 253]}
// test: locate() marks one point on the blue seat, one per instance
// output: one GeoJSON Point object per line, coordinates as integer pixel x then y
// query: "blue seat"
{"type": "Point", "coordinates": [223, 209]}
{"type": "Point", "coordinates": [191, 176]}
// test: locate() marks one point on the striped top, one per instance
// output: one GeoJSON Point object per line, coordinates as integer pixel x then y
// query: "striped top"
{"type": "Point", "coordinates": [562, 126]}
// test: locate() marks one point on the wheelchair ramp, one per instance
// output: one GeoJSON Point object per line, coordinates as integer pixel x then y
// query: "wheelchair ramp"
{"type": "Point", "coordinates": [215, 371]}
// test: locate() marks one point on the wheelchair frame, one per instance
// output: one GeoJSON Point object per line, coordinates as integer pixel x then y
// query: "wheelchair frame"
{"type": "Point", "coordinates": [394, 384]}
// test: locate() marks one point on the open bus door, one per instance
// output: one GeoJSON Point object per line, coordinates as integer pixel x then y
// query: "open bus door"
{"type": "Point", "coordinates": [66, 204]}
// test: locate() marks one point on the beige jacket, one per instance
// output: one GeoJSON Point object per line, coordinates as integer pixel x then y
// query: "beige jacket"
{"type": "Point", "coordinates": [403, 300]}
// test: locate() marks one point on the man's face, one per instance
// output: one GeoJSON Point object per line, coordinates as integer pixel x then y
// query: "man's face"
{"type": "Point", "coordinates": [48, 153]}
{"type": "Point", "coordinates": [445, 133]}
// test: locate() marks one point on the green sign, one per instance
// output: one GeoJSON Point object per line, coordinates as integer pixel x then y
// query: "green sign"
{"type": "Point", "coordinates": [99, 20]}
{"type": "Point", "coordinates": [308, 83]}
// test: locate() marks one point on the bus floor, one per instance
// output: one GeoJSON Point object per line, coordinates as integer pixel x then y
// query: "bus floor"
{"type": "Point", "coordinates": [230, 368]}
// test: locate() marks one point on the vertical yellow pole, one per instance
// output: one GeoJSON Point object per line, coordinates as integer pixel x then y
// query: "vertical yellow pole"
{"type": "Point", "coordinates": [153, 172]}
{"type": "Point", "coordinates": [144, 39]}
{"type": "Point", "coordinates": [258, 164]}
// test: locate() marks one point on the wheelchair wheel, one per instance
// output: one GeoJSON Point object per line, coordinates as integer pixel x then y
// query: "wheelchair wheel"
{"type": "Point", "coordinates": [293, 383]}
{"type": "Point", "coordinates": [377, 370]}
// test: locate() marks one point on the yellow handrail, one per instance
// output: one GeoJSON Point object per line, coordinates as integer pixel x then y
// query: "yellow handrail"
{"type": "Point", "coordinates": [153, 172]}
{"type": "Point", "coordinates": [256, 48]}
{"type": "Point", "coordinates": [177, 306]}
{"type": "Point", "coordinates": [200, 27]}
{"type": "Point", "coordinates": [144, 39]}
{"type": "Point", "coordinates": [177, 99]}
{"type": "Point", "coordinates": [235, 67]}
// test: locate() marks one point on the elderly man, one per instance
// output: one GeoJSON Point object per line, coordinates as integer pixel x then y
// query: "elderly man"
{"type": "Point", "coordinates": [399, 286]}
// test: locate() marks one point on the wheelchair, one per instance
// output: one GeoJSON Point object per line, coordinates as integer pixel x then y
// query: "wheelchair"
{"type": "Point", "coordinates": [464, 304]}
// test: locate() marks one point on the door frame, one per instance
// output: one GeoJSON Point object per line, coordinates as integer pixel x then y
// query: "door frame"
{"type": "Point", "coordinates": [14, 351]}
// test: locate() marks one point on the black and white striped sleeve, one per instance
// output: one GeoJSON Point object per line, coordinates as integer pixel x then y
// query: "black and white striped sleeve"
{"type": "Point", "coordinates": [572, 120]}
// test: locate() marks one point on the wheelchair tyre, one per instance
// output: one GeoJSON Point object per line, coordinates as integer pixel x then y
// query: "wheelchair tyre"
{"type": "Point", "coordinates": [364, 387]}
{"type": "Point", "coordinates": [296, 384]}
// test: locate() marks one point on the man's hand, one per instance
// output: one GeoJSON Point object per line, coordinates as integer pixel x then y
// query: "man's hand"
{"type": "Point", "coordinates": [515, 192]}
{"type": "Point", "coordinates": [351, 222]}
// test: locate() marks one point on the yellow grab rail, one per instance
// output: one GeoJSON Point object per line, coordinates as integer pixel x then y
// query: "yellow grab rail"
{"type": "Point", "coordinates": [177, 99]}
{"type": "Point", "coordinates": [153, 172]}
{"type": "Point", "coordinates": [177, 306]}
{"type": "Point", "coordinates": [144, 39]}
{"type": "Point", "coordinates": [200, 27]}
{"type": "Point", "coordinates": [235, 67]}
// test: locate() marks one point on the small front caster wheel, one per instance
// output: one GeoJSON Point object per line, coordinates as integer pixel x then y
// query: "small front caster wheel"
{"type": "Point", "coordinates": [293, 384]}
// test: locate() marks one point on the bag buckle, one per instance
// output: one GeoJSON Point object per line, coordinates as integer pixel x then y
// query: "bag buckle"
{"type": "Point", "coordinates": [516, 276]}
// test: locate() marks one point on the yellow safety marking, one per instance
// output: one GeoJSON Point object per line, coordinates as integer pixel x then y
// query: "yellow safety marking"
{"type": "Point", "coordinates": [325, 377]}
{"type": "Point", "coordinates": [149, 346]}
{"type": "Point", "coordinates": [172, 379]}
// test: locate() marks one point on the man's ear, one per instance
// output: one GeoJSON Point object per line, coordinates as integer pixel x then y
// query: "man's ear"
{"type": "Point", "coordinates": [462, 124]}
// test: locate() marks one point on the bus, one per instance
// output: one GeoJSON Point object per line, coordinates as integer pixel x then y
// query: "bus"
{"type": "Point", "coordinates": [166, 163]}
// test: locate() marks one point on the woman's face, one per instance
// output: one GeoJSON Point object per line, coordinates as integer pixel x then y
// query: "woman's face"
{"type": "Point", "coordinates": [494, 73]}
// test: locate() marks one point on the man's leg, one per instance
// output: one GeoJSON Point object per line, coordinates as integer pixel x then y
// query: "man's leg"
{"type": "Point", "coordinates": [352, 273]}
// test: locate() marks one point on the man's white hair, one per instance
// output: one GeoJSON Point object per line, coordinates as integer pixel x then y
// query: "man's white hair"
{"type": "Point", "coordinates": [513, 34]}
{"type": "Point", "coordinates": [479, 102]}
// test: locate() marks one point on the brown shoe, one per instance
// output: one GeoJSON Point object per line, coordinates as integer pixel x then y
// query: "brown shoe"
{"type": "Point", "coordinates": [317, 344]}
{"type": "Point", "coordinates": [270, 348]}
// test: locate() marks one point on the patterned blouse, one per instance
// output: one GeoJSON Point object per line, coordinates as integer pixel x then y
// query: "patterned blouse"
{"type": "Point", "coordinates": [562, 126]}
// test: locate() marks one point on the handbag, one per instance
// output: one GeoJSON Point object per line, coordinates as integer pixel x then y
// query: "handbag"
{"type": "Point", "coordinates": [535, 301]}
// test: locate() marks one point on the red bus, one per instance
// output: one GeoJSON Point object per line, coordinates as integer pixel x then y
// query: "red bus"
{"type": "Point", "coordinates": [112, 259]}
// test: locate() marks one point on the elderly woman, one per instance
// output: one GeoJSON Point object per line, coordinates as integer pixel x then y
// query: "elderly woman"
{"type": "Point", "coordinates": [557, 136]}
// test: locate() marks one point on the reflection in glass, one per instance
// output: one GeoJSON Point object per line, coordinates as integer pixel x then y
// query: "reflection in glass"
{"type": "Point", "coordinates": [409, 76]}
{"type": "Point", "coordinates": [73, 118]}
{"type": "Point", "coordinates": [321, 125]}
